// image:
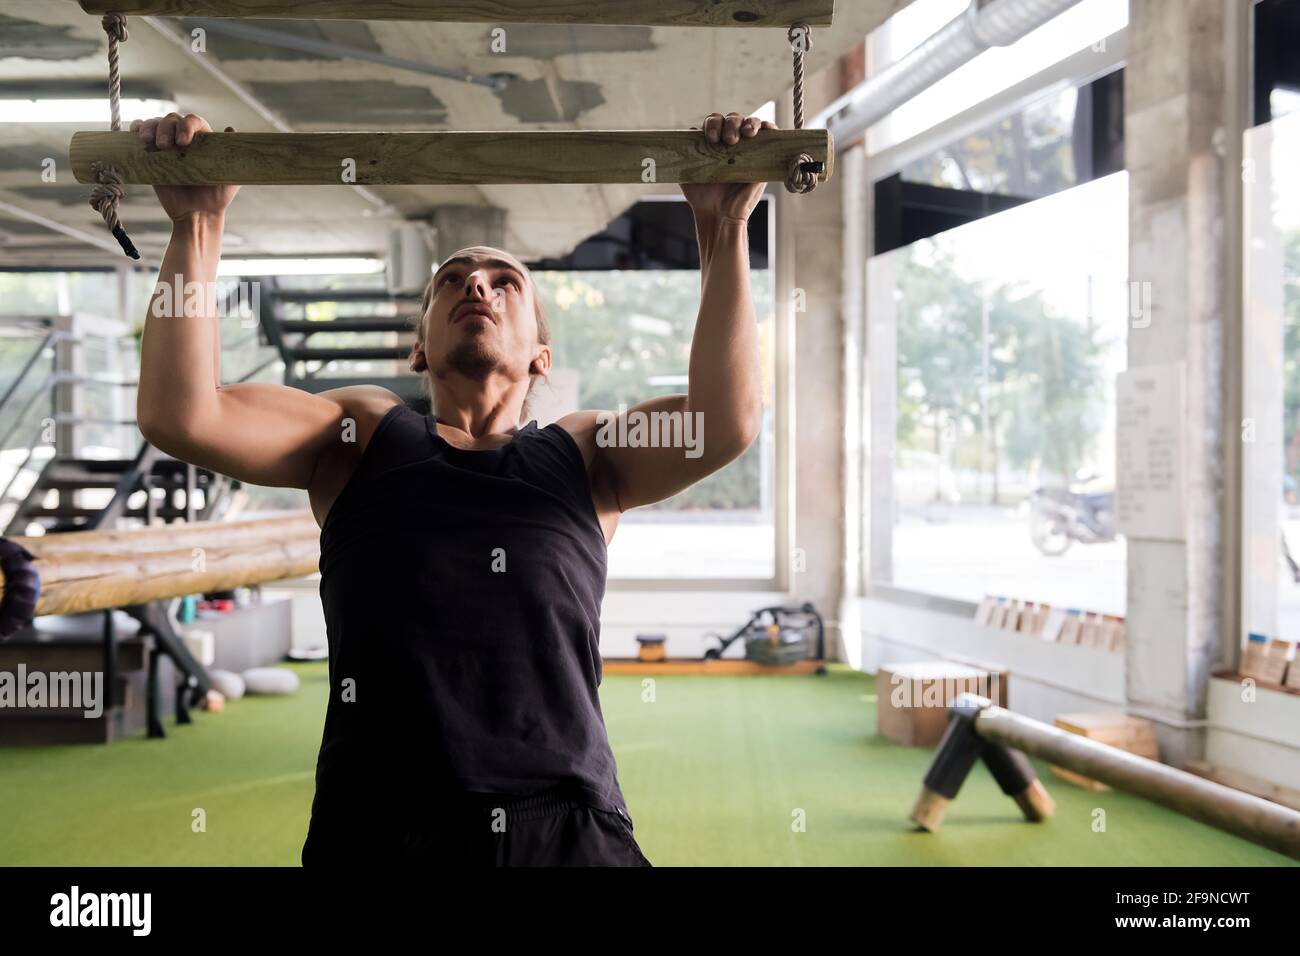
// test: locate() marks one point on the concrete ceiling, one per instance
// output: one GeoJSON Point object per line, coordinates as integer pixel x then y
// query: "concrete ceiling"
{"type": "Point", "coordinates": [564, 77]}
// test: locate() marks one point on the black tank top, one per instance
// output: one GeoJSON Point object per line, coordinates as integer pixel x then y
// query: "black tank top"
{"type": "Point", "coordinates": [462, 594]}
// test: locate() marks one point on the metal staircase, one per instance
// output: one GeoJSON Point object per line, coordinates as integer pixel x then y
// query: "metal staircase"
{"type": "Point", "coordinates": [54, 478]}
{"type": "Point", "coordinates": [58, 491]}
{"type": "Point", "coordinates": [44, 408]}
{"type": "Point", "coordinates": [336, 338]}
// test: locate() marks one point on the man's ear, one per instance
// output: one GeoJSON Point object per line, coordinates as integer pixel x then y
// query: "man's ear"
{"type": "Point", "coordinates": [420, 361]}
{"type": "Point", "coordinates": [541, 363]}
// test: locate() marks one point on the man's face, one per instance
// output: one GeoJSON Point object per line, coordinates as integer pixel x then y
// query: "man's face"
{"type": "Point", "coordinates": [481, 317]}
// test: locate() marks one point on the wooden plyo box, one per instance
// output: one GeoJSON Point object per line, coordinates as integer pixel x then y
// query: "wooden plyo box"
{"type": "Point", "coordinates": [1133, 734]}
{"type": "Point", "coordinates": [912, 699]}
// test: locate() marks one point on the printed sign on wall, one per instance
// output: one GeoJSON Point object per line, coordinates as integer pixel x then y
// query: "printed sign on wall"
{"type": "Point", "coordinates": [1149, 452]}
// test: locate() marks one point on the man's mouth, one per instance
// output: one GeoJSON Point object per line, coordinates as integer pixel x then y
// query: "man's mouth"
{"type": "Point", "coordinates": [477, 310]}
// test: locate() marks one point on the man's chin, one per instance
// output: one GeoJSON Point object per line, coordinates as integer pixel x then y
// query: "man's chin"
{"type": "Point", "coordinates": [471, 359]}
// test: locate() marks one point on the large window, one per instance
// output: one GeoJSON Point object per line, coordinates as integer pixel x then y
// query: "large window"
{"type": "Point", "coordinates": [1059, 140]}
{"type": "Point", "coordinates": [997, 345]}
{"type": "Point", "coordinates": [1271, 379]}
{"type": "Point", "coordinates": [621, 337]}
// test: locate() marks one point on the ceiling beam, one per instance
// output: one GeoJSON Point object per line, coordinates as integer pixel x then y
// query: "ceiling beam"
{"type": "Point", "coordinates": [667, 13]}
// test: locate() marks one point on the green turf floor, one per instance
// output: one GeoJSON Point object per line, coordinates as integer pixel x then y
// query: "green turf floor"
{"type": "Point", "coordinates": [716, 771]}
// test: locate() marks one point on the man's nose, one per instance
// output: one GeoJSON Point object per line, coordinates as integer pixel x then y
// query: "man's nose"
{"type": "Point", "coordinates": [476, 282]}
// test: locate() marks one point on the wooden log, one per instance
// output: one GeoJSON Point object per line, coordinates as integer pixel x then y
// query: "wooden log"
{"type": "Point", "coordinates": [1260, 821]}
{"type": "Point", "coordinates": [168, 562]}
{"type": "Point", "coordinates": [452, 158]}
{"type": "Point", "coordinates": [74, 583]}
{"type": "Point", "coordinates": [170, 537]}
{"type": "Point", "coordinates": [1267, 789]}
{"type": "Point", "coordinates": [679, 13]}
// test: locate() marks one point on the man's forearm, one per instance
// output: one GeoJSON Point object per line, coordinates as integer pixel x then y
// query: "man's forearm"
{"type": "Point", "coordinates": [725, 377]}
{"type": "Point", "coordinates": [180, 360]}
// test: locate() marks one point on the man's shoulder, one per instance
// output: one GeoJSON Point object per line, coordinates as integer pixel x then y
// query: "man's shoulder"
{"type": "Point", "coordinates": [362, 408]}
{"type": "Point", "coordinates": [585, 426]}
{"type": "Point", "coordinates": [368, 404]}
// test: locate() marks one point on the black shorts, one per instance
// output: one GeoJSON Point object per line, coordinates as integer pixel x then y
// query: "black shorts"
{"type": "Point", "coordinates": [484, 830]}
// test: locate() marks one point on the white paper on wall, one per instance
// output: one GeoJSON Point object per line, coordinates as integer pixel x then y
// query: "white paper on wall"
{"type": "Point", "coordinates": [1149, 452]}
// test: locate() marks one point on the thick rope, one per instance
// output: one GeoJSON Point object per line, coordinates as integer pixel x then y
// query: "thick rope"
{"type": "Point", "coordinates": [801, 177]}
{"type": "Point", "coordinates": [800, 38]}
{"type": "Point", "coordinates": [108, 192]}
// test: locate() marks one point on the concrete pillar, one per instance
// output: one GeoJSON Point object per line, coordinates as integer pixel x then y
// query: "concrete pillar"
{"type": "Point", "coordinates": [856, 190]}
{"type": "Point", "coordinates": [810, 232]}
{"type": "Point", "coordinates": [1183, 86]}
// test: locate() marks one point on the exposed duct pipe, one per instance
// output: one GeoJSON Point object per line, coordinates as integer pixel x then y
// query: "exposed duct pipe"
{"type": "Point", "coordinates": [983, 25]}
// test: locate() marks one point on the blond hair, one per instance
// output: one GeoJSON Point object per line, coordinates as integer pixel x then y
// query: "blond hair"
{"type": "Point", "coordinates": [543, 324]}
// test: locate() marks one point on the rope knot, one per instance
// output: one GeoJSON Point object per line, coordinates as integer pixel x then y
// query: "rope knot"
{"type": "Point", "coordinates": [798, 178]}
{"type": "Point", "coordinates": [114, 25]}
{"type": "Point", "coordinates": [104, 198]}
{"type": "Point", "coordinates": [800, 37]}
{"type": "Point", "coordinates": [108, 192]}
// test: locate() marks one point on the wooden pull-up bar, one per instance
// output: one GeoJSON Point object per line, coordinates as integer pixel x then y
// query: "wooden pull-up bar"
{"type": "Point", "coordinates": [453, 158]}
{"type": "Point", "coordinates": [651, 13]}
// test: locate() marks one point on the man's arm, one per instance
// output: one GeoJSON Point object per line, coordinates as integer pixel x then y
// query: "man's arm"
{"type": "Point", "coordinates": [261, 433]}
{"type": "Point", "coordinates": [722, 411]}
{"type": "Point", "coordinates": [723, 407]}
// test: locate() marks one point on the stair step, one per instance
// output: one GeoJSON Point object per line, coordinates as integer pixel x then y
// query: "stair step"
{"type": "Point", "coordinates": [70, 482]}
{"type": "Point", "coordinates": [160, 510]}
{"type": "Point", "coordinates": [71, 655]}
{"type": "Point", "coordinates": [307, 354]}
{"type": "Point", "coordinates": [128, 715]}
{"type": "Point", "coordinates": [29, 728]}
{"type": "Point", "coordinates": [346, 325]}
{"type": "Point", "coordinates": [77, 473]}
{"type": "Point", "coordinates": [343, 295]}
{"type": "Point", "coordinates": [128, 693]}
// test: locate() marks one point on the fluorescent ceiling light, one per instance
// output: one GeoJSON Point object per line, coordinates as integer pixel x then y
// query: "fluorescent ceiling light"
{"type": "Point", "coordinates": [352, 266]}
{"type": "Point", "coordinates": [86, 111]}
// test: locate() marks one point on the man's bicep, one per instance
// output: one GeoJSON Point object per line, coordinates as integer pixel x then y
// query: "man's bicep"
{"type": "Point", "coordinates": [654, 450]}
